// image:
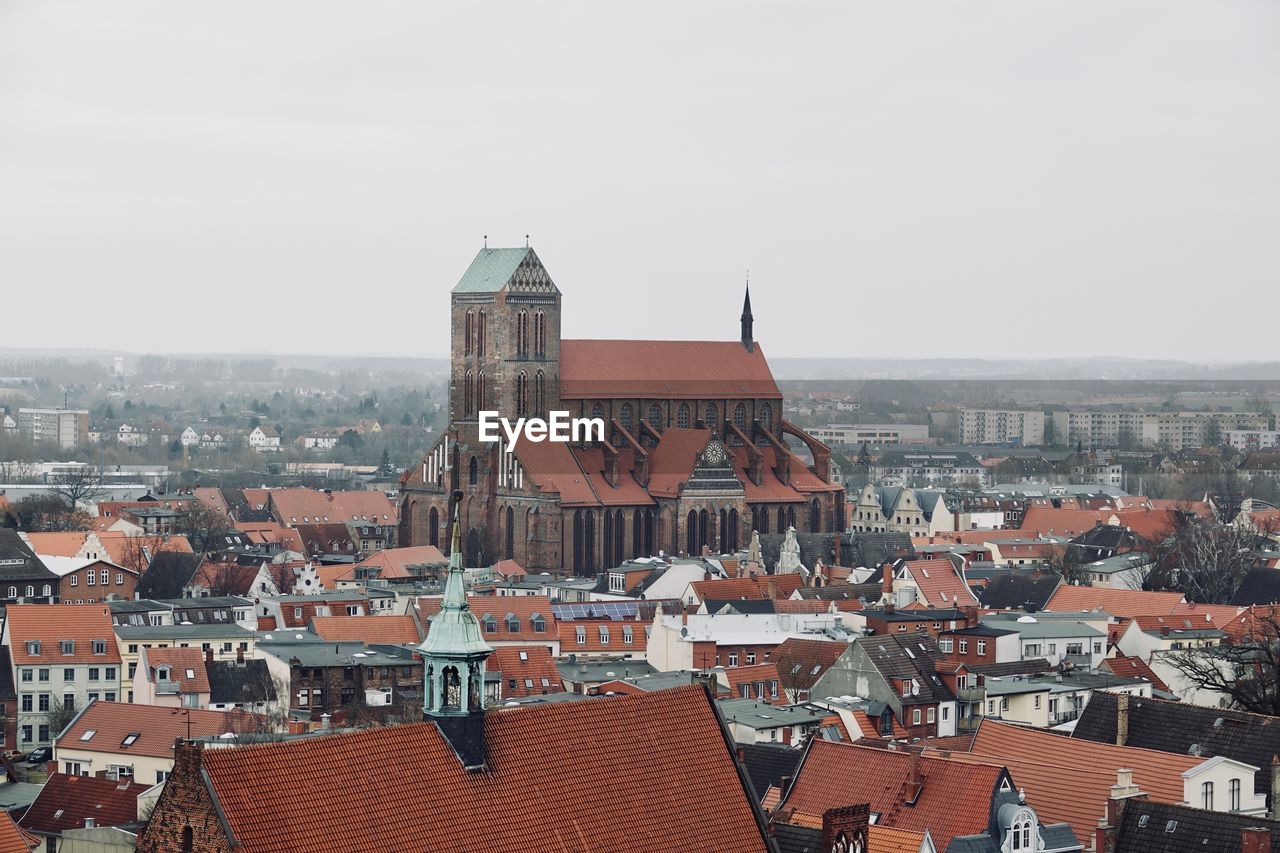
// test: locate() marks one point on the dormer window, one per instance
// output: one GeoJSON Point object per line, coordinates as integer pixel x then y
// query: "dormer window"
{"type": "Point", "coordinates": [33, 648]}
{"type": "Point", "coordinates": [162, 673]}
{"type": "Point", "coordinates": [99, 647]}
{"type": "Point", "coordinates": [68, 647]}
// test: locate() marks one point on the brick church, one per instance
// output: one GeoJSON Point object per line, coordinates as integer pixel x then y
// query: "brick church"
{"type": "Point", "coordinates": [694, 454]}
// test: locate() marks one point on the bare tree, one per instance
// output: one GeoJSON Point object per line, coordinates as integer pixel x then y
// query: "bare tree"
{"type": "Point", "coordinates": [60, 716]}
{"type": "Point", "coordinates": [1247, 672]}
{"type": "Point", "coordinates": [1203, 560]}
{"type": "Point", "coordinates": [48, 513]}
{"type": "Point", "coordinates": [77, 487]}
{"type": "Point", "coordinates": [199, 522]}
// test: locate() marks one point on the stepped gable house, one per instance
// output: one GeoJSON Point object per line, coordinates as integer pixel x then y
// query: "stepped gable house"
{"type": "Point", "coordinates": [693, 455]}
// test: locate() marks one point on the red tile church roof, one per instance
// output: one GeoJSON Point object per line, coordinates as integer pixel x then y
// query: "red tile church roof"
{"type": "Point", "coordinates": [669, 370]}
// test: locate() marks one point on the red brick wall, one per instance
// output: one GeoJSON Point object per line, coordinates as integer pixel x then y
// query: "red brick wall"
{"type": "Point", "coordinates": [183, 803]}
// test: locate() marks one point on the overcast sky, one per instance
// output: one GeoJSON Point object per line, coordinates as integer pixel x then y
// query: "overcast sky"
{"type": "Point", "coordinates": [928, 179]}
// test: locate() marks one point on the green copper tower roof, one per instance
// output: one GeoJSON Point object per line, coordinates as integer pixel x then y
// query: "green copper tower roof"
{"type": "Point", "coordinates": [455, 632]}
{"type": "Point", "coordinates": [494, 269]}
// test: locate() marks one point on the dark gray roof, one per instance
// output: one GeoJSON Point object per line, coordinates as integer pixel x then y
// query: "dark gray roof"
{"type": "Point", "coordinates": [746, 605]}
{"type": "Point", "coordinates": [899, 657]}
{"type": "Point", "coordinates": [766, 764]}
{"type": "Point", "coordinates": [18, 561]}
{"type": "Point", "coordinates": [1260, 586]}
{"type": "Point", "coordinates": [1019, 591]}
{"type": "Point", "coordinates": [1033, 666]}
{"type": "Point", "coordinates": [1151, 827]}
{"type": "Point", "coordinates": [1185, 729]}
{"type": "Point", "coordinates": [797, 839]}
{"type": "Point", "coordinates": [230, 682]}
{"type": "Point", "coordinates": [870, 550]}
{"type": "Point", "coordinates": [168, 574]}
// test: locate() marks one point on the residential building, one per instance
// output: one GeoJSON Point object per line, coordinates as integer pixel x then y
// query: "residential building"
{"type": "Point", "coordinates": [1172, 431]}
{"type": "Point", "coordinates": [135, 742]}
{"type": "Point", "coordinates": [68, 428]}
{"type": "Point", "coordinates": [64, 655]}
{"type": "Point", "coordinates": [924, 467]}
{"type": "Point", "coordinates": [70, 803]}
{"type": "Point", "coordinates": [1248, 440]}
{"type": "Point", "coordinates": [226, 641]}
{"type": "Point", "coordinates": [856, 435]}
{"type": "Point", "coordinates": [752, 721]}
{"type": "Point", "coordinates": [1002, 426]}
{"type": "Point", "coordinates": [23, 575]}
{"type": "Point", "coordinates": [264, 439]}
{"type": "Point", "coordinates": [88, 581]}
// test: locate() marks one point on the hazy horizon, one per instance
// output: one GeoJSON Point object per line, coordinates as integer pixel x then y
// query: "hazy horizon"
{"type": "Point", "coordinates": [997, 181]}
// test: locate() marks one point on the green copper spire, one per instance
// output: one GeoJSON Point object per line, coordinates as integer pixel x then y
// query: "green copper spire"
{"type": "Point", "coordinates": [455, 631]}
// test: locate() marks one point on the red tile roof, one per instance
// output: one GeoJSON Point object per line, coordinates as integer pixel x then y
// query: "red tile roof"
{"type": "Point", "coordinates": [180, 662]}
{"type": "Point", "coordinates": [627, 492]}
{"type": "Point", "coordinates": [522, 607]}
{"type": "Point", "coordinates": [955, 799]}
{"type": "Point", "coordinates": [1258, 621]}
{"type": "Point", "coordinates": [158, 726]}
{"type": "Point", "coordinates": [271, 532]}
{"type": "Point", "coordinates": [691, 370]}
{"type": "Point", "coordinates": [752, 677]}
{"type": "Point", "coordinates": [593, 641]}
{"type": "Point", "coordinates": [51, 623]}
{"type": "Point", "coordinates": [13, 839]}
{"type": "Point", "coordinates": [395, 563]}
{"type": "Point", "coordinates": [402, 787]}
{"type": "Point", "coordinates": [553, 468]}
{"type": "Point", "coordinates": [940, 584]}
{"type": "Point", "coordinates": [66, 801]}
{"type": "Point", "coordinates": [525, 670]}
{"type": "Point", "coordinates": [1127, 667]}
{"type": "Point", "coordinates": [1039, 761]}
{"type": "Point", "coordinates": [737, 589]}
{"type": "Point", "coordinates": [672, 461]}
{"type": "Point", "coordinates": [308, 506]}
{"type": "Point", "coordinates": [388, 630]}
{"type": "Point", "coordinates": [1117, 602]}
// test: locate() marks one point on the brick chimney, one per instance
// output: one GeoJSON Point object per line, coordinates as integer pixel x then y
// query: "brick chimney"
{"type": "Point", "coordinates": [1121, 792]}
{"type": "Point", "coordinates": [208, 655]}
{"type": "Point", "coordinates": [886, 579]}
{"type": "Point", "coordinates": [848, 824]}
{"type": "Point", "coordinates": [1122, 719]}
{"type": "Point", "coordinates": [1255, 839]}
{"type": "Point", "coordinates": [915, 781]}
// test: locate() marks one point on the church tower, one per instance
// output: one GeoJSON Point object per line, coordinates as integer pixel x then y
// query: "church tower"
{"type": "Point", "coordinates": [453, 659]}
{"type": "Point", "coordinates": [748, 321]}
{"type": "Point", "coordinates": [505, 348]}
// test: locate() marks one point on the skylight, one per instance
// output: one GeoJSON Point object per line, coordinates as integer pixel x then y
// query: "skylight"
{"type": "Point", "coordinates": [88, 735]}
{"type": "Point", "coordinates": [130, 738]}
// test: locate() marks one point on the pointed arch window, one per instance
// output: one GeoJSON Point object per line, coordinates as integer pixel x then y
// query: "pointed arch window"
{"type": "Point", "coordinates": [712, 416]}
{"type": "Point", "coordinates": [468, 395]}
{"type": "Point", "coordinates": [511, 534]}
{"type": "Point", "coordinates": [522, 334]}
{"type": "Point", "coordinates": [480, 332]}
{"type": "Point", "coordinates": [433, 527]}
{"type": "Point", "coordinates": [480, 388]}
{"type": "Point", "coordinates": [540, 334]}
{"type": "Point", "coordinates": [815, 517]}
{"type": "Point", "coordinates": [766, 416]}
{"type": "Point", "coordinates": [740, 416]}
{"type": "Point", "coordinates": [655, 416]}
{"type": "Point", "coordinates": [467, 324]}
{"type": "Point", "coordinates": [682, 416]}
{"type": "Point", "coordinates": [625, 416]}
{"type": "Point", "coordinates": [539, 393]}
{"type": "Point", "coordinates": [522, 394]}
{"type": "Point", "coordinates": [782, 520]}
{"type": "Point", "coordinates": [597, 411]}
{"type": "Point", "coordinates": [473, 471]}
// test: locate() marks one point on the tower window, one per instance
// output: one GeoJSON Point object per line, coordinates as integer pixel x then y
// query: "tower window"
{"type": "Point", "coordinates": [473, 472]}
{"type": "Point", "coordinates": [522, 395]}
{"type": "Point", "coordinates": [540, 334]}
{"type": "Point", "coordinates": [522, 334]}
{"type": "Point", "coordinates": [539, 392]}
{"type": "Point", "coordinates": [466, 333]}
{"type": "Point", "coordinates": [480, 330]}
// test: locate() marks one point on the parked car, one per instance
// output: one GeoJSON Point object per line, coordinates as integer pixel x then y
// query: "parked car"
{"type": "Point", "coordinates": [40, 755]}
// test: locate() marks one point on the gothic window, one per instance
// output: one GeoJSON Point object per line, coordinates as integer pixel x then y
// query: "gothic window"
{"type": "Point", "coordinates": [467, 395]}
{"type": "Point", "coordinates": [589, 538]}
{"type": "Point", "coordinates": [608, 537]}
{"type": "Point", "coordinates": [691, 533]}
{"type": "Point", "coordinates": [713, 416]}
{"type": "Point", "coordinates": [451, 685]}
{"type": "Point", "coordinates": [733, 531]}
{"type": "Point", "coordinates": [480, 388]}
{"type": "Point", "coordinates": [766, 416]}
{"type": "Point", "coordinates": [188, 839]}
{"type": "Point", "coordinates": [815, 517]}
{"type": "Point", "coordinates": [637, 534]}
{"type": "Point", "coordinates": [480, 324]}
{"type": "Point", "coordinates": [619, 525]}
{"type": "Point", "coordinates": [578, 531]}
{"type": "Point", "coordinates": [782, 520]}
{"type": "Point", "coordinates": [655, 416]}
{"type": "Point", "coordinates": [682, 416]}
{"type": "Point", "coordinates": [522, 334]}
{"type": "Point", "coordinates": [540, 334]}
{"type": "Point", "coordinates": [466, 336]}
{"type": "Point", "coordinates": [511, 534]}
{"type": "Point", "coordinates": [522, 395]}
{"type": "Point", "coordinates": [724, 532]}
{"type": "Point", "coordinates": [740, 416]}
{"type": "Point", "coordinates": [791, 516]}
{"type": "Point", "coordinates": [624, 417]}
{"type": "Point", "coordinates": [433, 527]}
{"type": "Point", "coordinates": [702, 529]}
{"type": "Point", "coordinates": [648, 532]}
{"type": "Point", "coordinates": [597, 411]}
{"type": "Point", "coordinates": [473, 472]}
{"type": "Point", "coordinates": [539, 392]}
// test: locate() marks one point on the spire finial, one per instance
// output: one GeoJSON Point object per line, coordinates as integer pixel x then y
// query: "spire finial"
{"type": "Point", "coordinates": [747, 340]}
{"type": "Point", "coordinates": [486, 241]}
{"type": "Point", "coordinates": [526, 241]}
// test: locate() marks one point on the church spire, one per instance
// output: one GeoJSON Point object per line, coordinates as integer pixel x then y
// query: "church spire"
{"type": "Point", "coordinates": [453, 657]}
{"type": "Point", "coordinates": [747, 340]}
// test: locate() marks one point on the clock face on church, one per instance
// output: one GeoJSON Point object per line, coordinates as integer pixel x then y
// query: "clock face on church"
{"type": "Point", "coordinates": [715, 453]}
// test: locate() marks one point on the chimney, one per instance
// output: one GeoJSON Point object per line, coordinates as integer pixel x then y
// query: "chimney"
{"type": "Point", "coordinates": [1164, 630]}
{"type": "Point", "coordinates": [915, 782]}
{"type": "Point", "coordinates": [324, 720]}
{"type": "Point", "coordinates": [208, 655]}
{"type": "Point", "coordinates": [1255, 839]}
{"type": "Point", "coordinates": [1122, 719]}
{"type": "Point", "coordinates": [886, 579]}
{"type": "Point", "coordinates": [239, 657]}
{"type": "Point", "coordinates": [1275, 786]}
